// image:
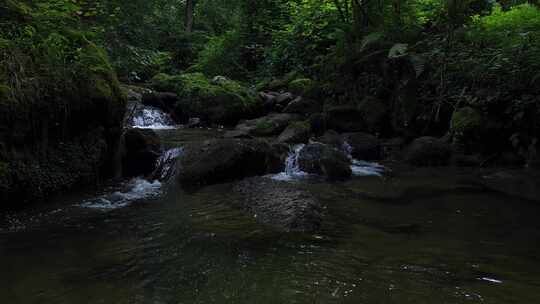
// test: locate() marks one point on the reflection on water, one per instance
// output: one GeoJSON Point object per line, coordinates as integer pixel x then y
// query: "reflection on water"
{"type": "Point", "coordinates": [419, 236]}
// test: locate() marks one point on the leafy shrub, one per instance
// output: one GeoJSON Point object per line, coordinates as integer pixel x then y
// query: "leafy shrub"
{"type": "Point", "coordinates": [222, 55]}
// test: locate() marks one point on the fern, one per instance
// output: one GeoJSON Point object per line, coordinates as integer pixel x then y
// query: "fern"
{"type": "Point", "coordinates": [418, 63]}
{"type": "Point", "coordinates": [370, 40]}
{"type": "Point", "coordinates": [398, 50]}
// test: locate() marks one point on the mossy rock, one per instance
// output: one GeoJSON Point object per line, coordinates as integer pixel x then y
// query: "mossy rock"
{"type": "Point", "coordinates": [296, 132]}
{"type": "Point", "coordinates": [5, 93]}
{"type": "Point", "coordinates": [303, 87]}
{"type": "Point", "coordinates": [103, 81]}
{"type": "Point", "coordinates": [465, 120]}
{"type": "Point", "coordinates": [101, 99]}
{"type": "Point", "coordinates": [166, 83]}
{"type": "Point", "coordinates": [465, 127]}
{"type": "Point", "coordinates": [225, 102]}
{"type": "Point", "coordinates": [264, 127]}
{"type": "Point", "coordinates": [278, 84]}
{"type": "Point", "coordinates": [374, 113]}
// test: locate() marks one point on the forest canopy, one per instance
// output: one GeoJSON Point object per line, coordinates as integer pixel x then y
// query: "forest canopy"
{"type": "Point", "coordinates": [425, 59]}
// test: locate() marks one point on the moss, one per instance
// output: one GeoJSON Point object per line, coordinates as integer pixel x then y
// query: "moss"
{"type": "Point", "coordinates": [465, 120]}
{"type": "Point", "coordinates": [279, 83]}
{"type": "Point", "coordinates": [262, 84]}
{"type": "Point", "coordinates": [304, 125]}
{"type": "Point", "coordinates": [374, 113]}
{"type": "Point", "coordinates": [465, 128]}
{"type": "Point", "coordinates": [263, 127]}
{"type": "Point", "coordinates": [17, 7]}
{"type": "Point", "coordinates": [302, 86]}
{"type": "Point", "coordinates": [102, 89]}
{"type": "Point", "coordinates": [224, 102]}
{"type": "Point", "coordinates": [165, 83]}
{"type": "Point", "coordinates": [5, 92]}
{"type": "Point", "coordinates": [102, 80]}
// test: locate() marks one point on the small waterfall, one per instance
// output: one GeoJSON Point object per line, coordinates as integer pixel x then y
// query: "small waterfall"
{"type": "Point", "coordinates": [292, 168]}
{"type": "Point", "coordinates": [360, 167]}
{"type": "Point", "coordinates": [165, 165]}
{"type": "Point", "coordinates": [136, 189]}
{"type": "Point", "coordinates": [145, 117]}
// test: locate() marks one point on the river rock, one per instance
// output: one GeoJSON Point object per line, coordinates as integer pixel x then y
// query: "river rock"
{"type": "Point", "coordinates": [345, 119]}
{"type": "Point", "coordinates": [222, 160]}
{"type": "Point", "coordinates": [297, 132]}
{"type": "Point", "coordinates": [305, 106]}
{"type": "Point", "coordinates": [142, 149]}
{"type": "Point", "coordinates": [363, 146]}
{"type": "Point", "coordinates": [194, 122]}
{"type": "Point", "coordinates": [324, 160]}
{"type": "Point", "coordinates": [162, 100]}
{"type": "Point", "coordinates": [270, 125]}
{"type": "Point", "coordinates": [524, 184]}
{"type": "Point", "coordinates": [428, 151]}
{"type": "Point", "coordinates": [284, 99]}
{"type": "Point", "coordinates": [269, 101]}
{"type": "Point", "coordinates": [332, 138]}
{"type": "Point", "coordinates": [279, 204]}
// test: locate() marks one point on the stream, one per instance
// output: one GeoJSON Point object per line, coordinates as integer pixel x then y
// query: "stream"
{"type": "Point", "coordinates": [389, 235]}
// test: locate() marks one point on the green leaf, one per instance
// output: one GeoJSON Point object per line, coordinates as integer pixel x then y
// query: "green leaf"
{"type": "Point", "coordinates": [398, 50]}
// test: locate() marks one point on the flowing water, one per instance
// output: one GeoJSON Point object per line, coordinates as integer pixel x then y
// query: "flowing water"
{"type": "Point", "coordinates": [398, 236]}
{"type": "Point", "coordinates": [146, 117]}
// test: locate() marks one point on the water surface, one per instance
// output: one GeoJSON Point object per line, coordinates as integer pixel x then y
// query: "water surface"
{"type": "Point", "coordinates": [410, 236]}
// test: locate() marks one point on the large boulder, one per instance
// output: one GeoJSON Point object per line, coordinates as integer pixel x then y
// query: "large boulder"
{"type": "Point", "coordinates": [428, 151]}
{"type": "Point", "coordinates": [304, 106]}
{"type": "Point", "coordinates": [279, 204]}
{"type": "Point", "coordinates": [283, 99]}
{"type": "Point", "coordinates": [222, 160]}
{"type": "Point", "coordinates": [344, 119]}
{"type": "Point", "coordinates": [162, 100]}
{"type": "Point", "coordinates": [296, 132]}
{"type": "Point", "coordinates": [303, 87]}
{"type": "Point", "coordinates": [333, 139]}
{"type": "Point", "coordinates": [269, 101]}
{"type": "Point", "coordinates": [270, 125]}
{"type": "Point", "coordinates": [363, 146]}
{"type": "Point", "coordinates": [142, 148]}
{"type": "Point", "coordinates": [52, 147]}
{"type": "Point", "coordinates": [317, 158]}
{"type": "Point", "coordinates": [222, 102]}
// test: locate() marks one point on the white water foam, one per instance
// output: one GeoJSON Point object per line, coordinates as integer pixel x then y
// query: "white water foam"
{"type": "Point", "coordinates": [358, 167]}
{"type": "Point", "coordinates": [152, 118]}
{"type": "Point", "coordinates": [491, 280]}
{"type": "Point", "coordinates": [166, 162]}
{"type": "Point", "coordinates": [292, 168]}
{"type": "Point", "coordinates": [361, 167]}
{"type": "Point", "coordinates": [136, 189]}
{"type": "Point", "coordinates": [364, 168]}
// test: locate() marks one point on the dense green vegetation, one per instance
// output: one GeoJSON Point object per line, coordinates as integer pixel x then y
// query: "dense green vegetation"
{"type": "Point", "coordinates": [468, 69]}
{"type": "Point", "coordinates": [61, 104]}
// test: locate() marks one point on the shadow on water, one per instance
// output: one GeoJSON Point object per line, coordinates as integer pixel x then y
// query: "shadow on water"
{"type": "Point", "coordinates": [423, 236]}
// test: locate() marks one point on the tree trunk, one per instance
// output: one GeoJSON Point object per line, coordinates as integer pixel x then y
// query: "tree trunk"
{"type": "Point", "coordinates": [190, 10]}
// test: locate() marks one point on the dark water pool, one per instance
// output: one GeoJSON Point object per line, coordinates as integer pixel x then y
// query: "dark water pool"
{"type": "Point", "coordinates": [417, 236]}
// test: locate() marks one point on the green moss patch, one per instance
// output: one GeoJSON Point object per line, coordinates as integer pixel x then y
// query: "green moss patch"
{"type": "Point", "coordinates": [302, 87]}
{"type": "Point", "coordinates": [224, 102]}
